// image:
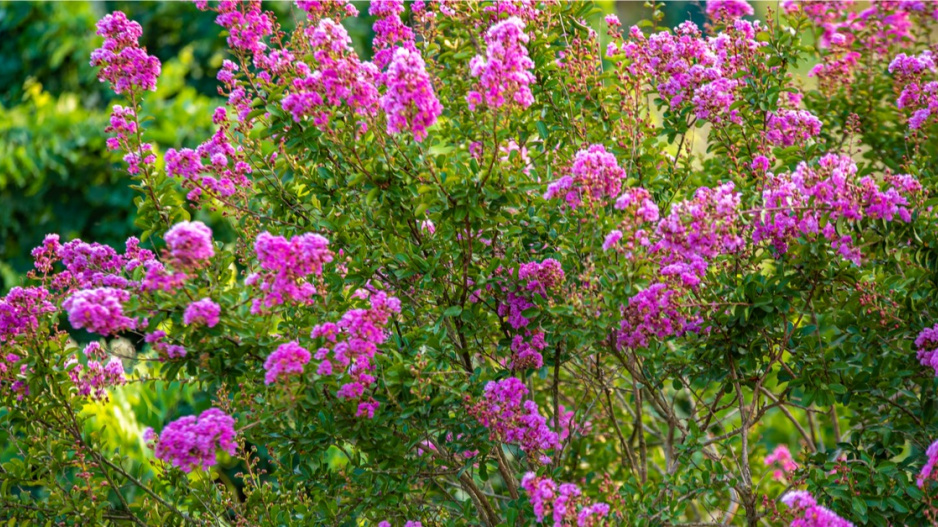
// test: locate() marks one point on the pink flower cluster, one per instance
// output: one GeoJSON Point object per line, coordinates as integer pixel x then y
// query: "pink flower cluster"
{"type": "Point", "coordinates": [504, 73]}
{"type": "Point", "coordinates": [791, 127]}
{"type": "Point", "coordinates": [21, 310]}
{"type": "Point", "coordinates": [594, 175]}
{"type": "Point", "coordinates": [410, 103]}
{"type": "Point", "coordinates": [122, 61]}
{"type": "Point", "coordinates": [389, 31]}
{"type": "Point", "coordinates": [782, 456]}
{"type": "Point", "coordinates": [686, 68]}
{"type": "Point", "coordinates": [918, 97]}
{"type": "Point", "coordinates": [224, 168]}
{"type": "Point", "coordinates": [927, 344]}
{"type": "Point", "coordinates": [510, 419]}
{"type": "Point", "coordinates": [157, 339]}
{"type": "Point", "coordinates": [728, 9]}
{"type": "Point", "coordinates": [99, 310]}
{"type": "Point", "coordinates": [288, 359]}
{"type": "Point", "coordinates": [564, 504]}
{"type": "Point", "coordinates": [696, 231]}
{"type": "Point", "coordinates": [653, 312]}
{"type": "Point", "coordinates": [408, 524]}
{"type": "Point", "coordinates": [192, 442]}
{"type": "Point", "coordinates": [339, 78]}
{"type": "Point", "coordinates": [809, 514]}
{"type": "Point", "coordinates": [809, 201]}
{"type": "Point", "coordinates": [190, 243]}
{"type": "Point", "coordinates": [928, 471]}
{"type": "Point", "coordinates": [352, 344]}
{"type": "Point", "coordinates": [285, 266]}
{"type": "Point", "coordinates": [93, 378]}
{"type": "Point", "coordinates": [203, 311]}
{"type": "Point", "coordinates": [319, 9]}
{"type": "Point", "coordinates": [247, 26]}
{"type": "Point", "coordinates": [639, 209]}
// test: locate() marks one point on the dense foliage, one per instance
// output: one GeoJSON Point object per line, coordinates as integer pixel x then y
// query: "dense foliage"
{"type": "Point", "coordinates": [500, 274]}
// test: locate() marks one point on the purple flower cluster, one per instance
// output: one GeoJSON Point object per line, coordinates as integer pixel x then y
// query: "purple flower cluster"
{"type": "Point", "coordinates": [686, 68]}
{"type": "Point", "coordinates": [288, 359]}
{"type": "Point", "coordinates": [809, 514]}
{"type": "Point", "coordinates": [928, 471]}
{"type": "Point", "coordinates": [510, 419]}
{"type": "Point", "coordinates": [190, 243]}
{"type": "Point", "coordinates": [191, 442]}
{"type": "Point", "coordinates": [352, 344]}
{"type": "Point", "coordinates": [918, 96]}
{"type": "Point", "coordinates": [318, 9]}
{"type": "Point", "coordinates": [215, 166]}
{"type": "Point", "coordinates": [203, 311]}
{"type": "Point", "coordinates": [93, 378]}
{"type": "Point", "coordinates": [410, 103]}
{"type": "Point", "coordinates": [504, 73]}
{"type": "Point", "coordinates": [728, 9]}
{"type": "Point", "coordinates": [791, 127]}
{"type": "Point", "coordinates": [389, 31]}
{"type": "Point", "coordinates": [285, 265]}
{"type": "Point", "coordinates": [639, 209]}
{"type": "Point", "coordinates": [782, 456]}
{"type": "Point", "coordinates": [594, 175]}
{"type": "Point", "coordinates": [21, 310]}
{"type": "Point", "coordinates": [122, 61]}
{"type": "Point", "coordinates": [339, 78]}
{"type": "Point", "coordinates": [809, 202]}
{"type": "Point", "coordinates": [653, 312]}
{"type": "Point", "coordinates": [157, 339]}
{"type": "Point", "coordinates": [696, 231]}
{"type": "Point", "coordinates": [927, 344]}
{"type": "Point", "coordinates": [99, 310]}
{"type": "Point", "coordinates": [247, 25]}
{"type": "Point", "coordinates": [564, 504]}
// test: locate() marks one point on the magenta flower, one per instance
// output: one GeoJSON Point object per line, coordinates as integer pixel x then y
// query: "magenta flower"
{"type": "Point", "coordinates": [809, 514]}
{"type": "Point", "coordinates": [192, 442]}
{"type": "Point", "coordinates": [504, 73]}
{"type": "Point", "coordinates": [122, 61]}
{"type": "Point", "coordinates": [409, 102]}
{"type": "Point", "coordinates": [288, 359]}
{"type": "Point", "coordinates": [285, 266]}
{"type": "Point", "coordinates": [99, 310]}
{"type": "Point", "coordinates": [203, 311]}
{"type": "Point", "coordinates": [190, 243]}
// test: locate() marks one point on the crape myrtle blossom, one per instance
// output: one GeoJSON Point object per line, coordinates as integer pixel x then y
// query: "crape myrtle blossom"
{"type": "Point", "coordinates": [288, 359]}
{"type": "Point", "coordinates": [639, 209]}
{"type": "Point", "coordinates": [336, 78]}
{"type": "Point", "coordinates": [510, 419]}
{"type": "Point", "coordinates": [99, 310]}
{"type": "Point", "coordinates": [928, 471]}
{"type": "Point", "coordinates": [190, 243]}
{"type": "Point", "coordinates": [790, 127]}
{"type": "Point", "coordinates": [594, 175]}
{"type": "Point", "coordinates": [216, 166]}
{"type": "Point", "coordinates": [21, 311]}
{"type": "Point", "coordinates": [121, 60]}
{"type": "Point", "coordinates": [157, 339]}
{"type": "Point", "coordinates": [927, 344]}
{"type": "Point", "coordinates": [809, 514]}
{"type": "Point", "coordinates": [810, 200]}
{"type": "Point", "coordinates": [390, 31]}
{"type": "Point", "coordinates": [561, 504]}
{"type": "Point", "coordinates": [782, 456]}
{"type": "Point", "coordinates": [318, 9]}
{"type": "Point", "coordinates": [285, 266]}
{"type": "Point", "coordinates": [92, 379]}
{"type": "Point", "coordinates": [729, 9]}
{"type": "Point", "coordinates": [191, 442]}
{"type": "Point", "coordinates": [504, 73]}
{"type": "Point", "coordinates": [350, 345]}
{"type": "Point", "coordinates": [409, 101]}
{"type": "Point", "coordinates": [203, 311]}
{"type": "Point", "coordinates": [918, 97]}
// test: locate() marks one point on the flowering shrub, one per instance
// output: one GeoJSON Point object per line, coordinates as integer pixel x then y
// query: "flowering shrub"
{"type": "Point", "coordinates": [502, 274]}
